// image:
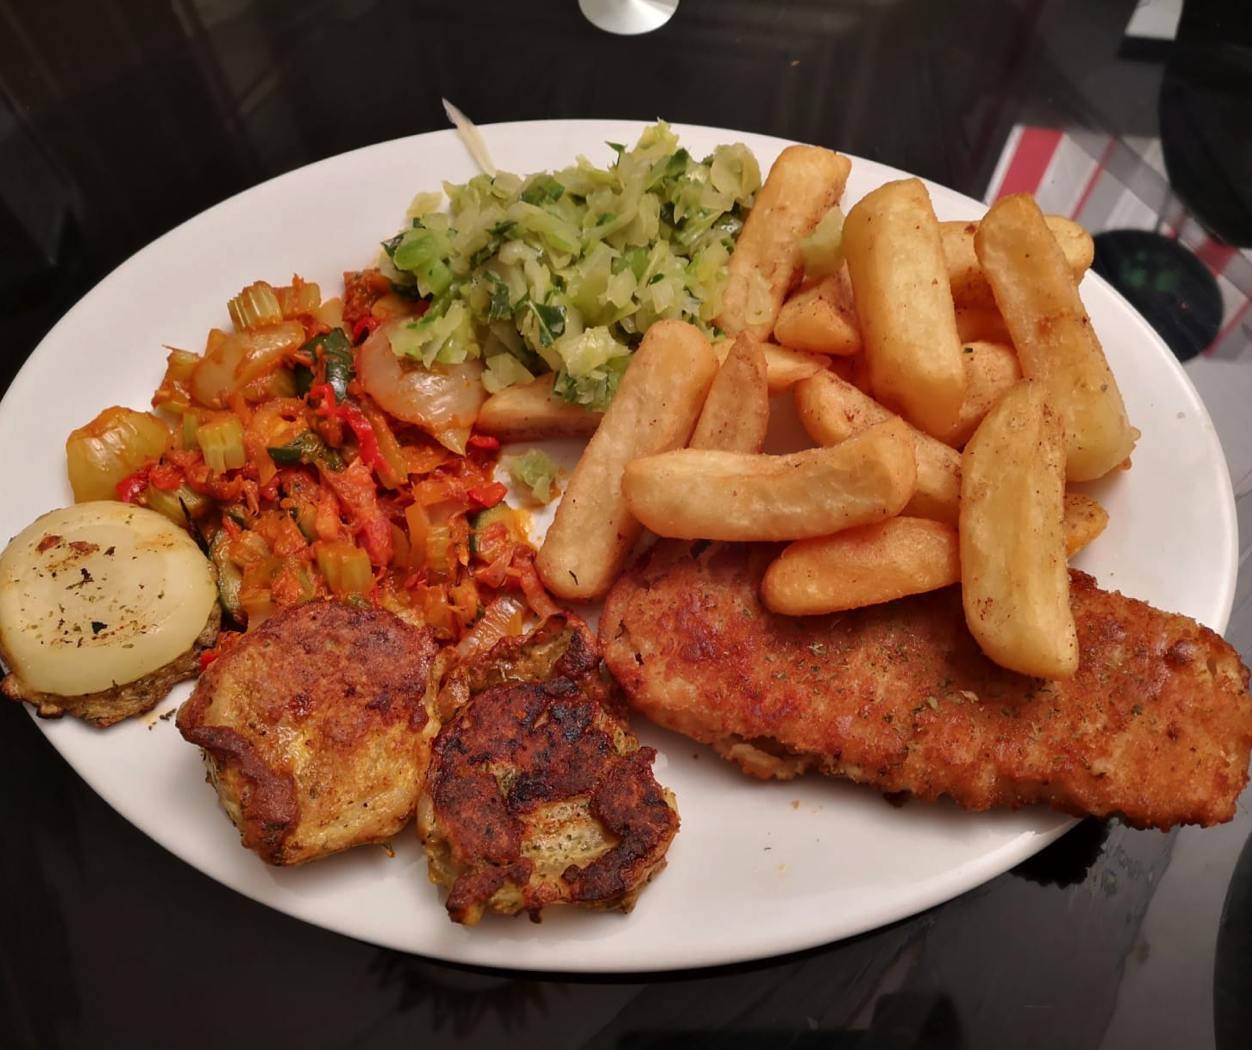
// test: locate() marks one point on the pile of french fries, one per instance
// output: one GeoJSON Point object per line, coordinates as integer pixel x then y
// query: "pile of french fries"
{"type": "Point", "coordinates": [947, 374]}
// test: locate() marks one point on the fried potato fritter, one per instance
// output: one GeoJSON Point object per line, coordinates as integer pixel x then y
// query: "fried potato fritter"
{"type": "Point", "coordinates": [316, 728]}
{"type": "Point", "coordinates": [537, 793]}
{"type": "Point", "coordinates": [1156, 726]}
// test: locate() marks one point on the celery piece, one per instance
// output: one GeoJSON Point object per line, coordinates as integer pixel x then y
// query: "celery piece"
{"type": "Point", "coordinates": [180, 364]}
{"type": "Point", "coordinates": [346, 568]}
{"type": "Point", "coordinates": [222, 444]}
{"type": "Point", "coordinates": [255, 306]}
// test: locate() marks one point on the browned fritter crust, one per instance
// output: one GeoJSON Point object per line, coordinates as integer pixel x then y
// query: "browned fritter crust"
{"type": "Point", "coordinates": [1155, 727]}
{"type": "Point", "coordinates": [315, 728]}
{"type": "Point", "coordinates": [110, 706]}
{"type": "Point", "coordinates": [561, 646]}
{"type": "Point", "coordinates": [536, 792]}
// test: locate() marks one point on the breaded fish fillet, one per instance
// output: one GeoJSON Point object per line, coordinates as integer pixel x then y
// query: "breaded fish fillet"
{"type": "Point", "coordinates": [1155, 727]}
{"type": "Point", "coordinates": [316, 728]}
{"type": "Point", "coordinates": [537, 793]}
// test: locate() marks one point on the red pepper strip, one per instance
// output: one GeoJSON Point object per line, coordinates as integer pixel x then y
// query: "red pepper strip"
{"type": "Point", "coordinates": [483, 441]}
{"type": "Point", "coordinates": [363, 327]}
{"type": "Point", "coordinates": [327, 394]}
{"type": "Point", "coordinates": [207, 656]}
{"type": "Point", "coordinates": [367, 443]}
{"type": "Point", "coordinates": [487, 495]}
{"type": "Point", "coordinates": [366, 440]}
{"type": "Point", "coordinates": [131, 486]}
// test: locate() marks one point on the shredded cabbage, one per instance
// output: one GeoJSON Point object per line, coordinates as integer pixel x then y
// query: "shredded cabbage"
{"type": "Point", "coordinates": [564, 271]}
{"type": "Point", "coordinates": [822, 250]}
{"type": "Point", "coordinates": [536, 470]}
{"type": "Point", "coordinates": [504, 370]}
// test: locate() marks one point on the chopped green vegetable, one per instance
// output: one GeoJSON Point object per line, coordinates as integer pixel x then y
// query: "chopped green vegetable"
{"type": "Point", "coordinates": [421, 252]}
{"type": "Point", "coordinates": [536, 470]}
{"type": "Point", "coordinates": [504, 370]}
{"type": "Point", "coordinates": [229, 578]}
{"type": "Point", "coordinates": [501, 307]}
{"type": "Point", "coordinates": [549, 320]}
{"type": "Point", "coordinates": [306, 448]}
{"type": "Point", "coordinates": [333, 349]}
{"type": "Point", "coordinates": [594, 365]}
{"type": "Point", "coordinates": [566, 270]}
{"type": "Point", "coordinates": [442, 334]}
{"type": "Point", "coordinates": [479, 523]}
{"type": "Point", "coordinates": [540, 189]}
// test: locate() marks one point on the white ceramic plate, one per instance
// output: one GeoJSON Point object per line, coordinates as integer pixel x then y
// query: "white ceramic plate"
{"type": "Point", "coordinates": [757, 869]}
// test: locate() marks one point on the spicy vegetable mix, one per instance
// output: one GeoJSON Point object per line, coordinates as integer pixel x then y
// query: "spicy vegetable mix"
{"type": "Point", "coordinates": [269, 447]}
{"type": "Point", "coordinates": [326, 447]}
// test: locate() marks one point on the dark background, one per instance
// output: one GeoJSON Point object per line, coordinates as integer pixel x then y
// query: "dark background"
{"type": "Point", "coordinates": [119, 120]}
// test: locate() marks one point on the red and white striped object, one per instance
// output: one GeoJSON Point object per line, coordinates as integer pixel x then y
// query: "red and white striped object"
{"type": "Point", "coordinates": [1105, 183]}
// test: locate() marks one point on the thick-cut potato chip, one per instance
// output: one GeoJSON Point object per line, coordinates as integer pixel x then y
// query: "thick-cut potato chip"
{"type": "Point", "coordinates": [802, 186]}
{"type": "Point", "coordinates": [1014, 569]}
{"type": "Point", "coordinates": [862, 566]}
{"type": "Point", "coordinates": [969, 283]}
{"type": "Point", "coordinates": [853, 370]}
{"type": "Point", "coordinates": [990, 370]}
{"type": "Point", "coordinates": [1055, 341]}
{"type": "Point", "coordinates": [833, 410]}
{"type": "Point", "coordinates": [735, 416]}
{"type": "Point", "coordinates": [531, 412]}
{"type": "Point", "coordinates": [655, 409]}
{"type": "Point", "coordinates": [785, 368]}
{"type": "Point", "coordinates": [821, 318]}
{"type": "Point", "coordinates": [979, 324]}
{"type": "Point", "coordinates": [1085, 519]}
{"type": "Point", "coordinates": [706, 494]}
{"type": "Point", "coordinates": [904, 305]}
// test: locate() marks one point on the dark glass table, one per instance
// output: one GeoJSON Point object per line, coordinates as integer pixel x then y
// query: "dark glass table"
{"type": "Point", "coordinates": [118, 121]}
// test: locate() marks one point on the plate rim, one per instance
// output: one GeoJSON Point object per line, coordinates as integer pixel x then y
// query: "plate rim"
{"type": "Point", "coordinates": [972, 874]}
